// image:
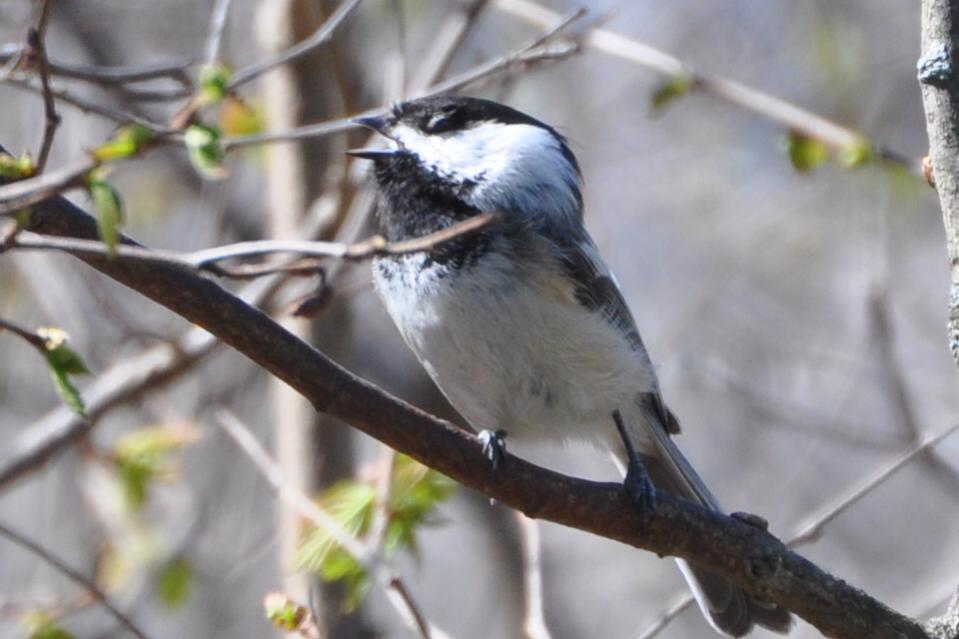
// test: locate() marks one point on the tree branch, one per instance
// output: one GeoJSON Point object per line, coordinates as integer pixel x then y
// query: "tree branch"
{"type": "Point", "coordinates": [939, 78]}
{"type": "Point", "coordinates": [73, 575]}
{"type": "Point", "coordinates": [743, 553]}
{"type": "Point", "coordinates": [789, 115]}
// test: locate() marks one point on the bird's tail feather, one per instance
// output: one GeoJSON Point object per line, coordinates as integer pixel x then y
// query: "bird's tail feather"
{"type": "Point", "coordinates": [727, 608]}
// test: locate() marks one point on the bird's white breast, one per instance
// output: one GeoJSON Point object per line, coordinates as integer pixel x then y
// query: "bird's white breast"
{"type": "Point", "coordinates": [512, 349]}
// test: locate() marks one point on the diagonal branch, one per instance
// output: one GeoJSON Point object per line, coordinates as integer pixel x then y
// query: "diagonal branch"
{"type": "Point", "coordinates": [789, 115]}
{"type": "Point", "coordinates": [73, 575]}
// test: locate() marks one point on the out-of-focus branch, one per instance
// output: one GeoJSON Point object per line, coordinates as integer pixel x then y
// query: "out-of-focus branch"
{"type": "Point", "coordinates": [217, 26]}
{"type": "Point", "coordinates": [396, 591]}
{"type": "Point", "coordinates": [73, 575]}
{"type": "Point", "coordinates": [939, 78]}
{"type": "Point", "coordinates": [109, 76]}
{"type": "Point", "coordinates": [35, 56]}
{"type": "Point", "coordinates": [789, 115]}
{"type": "Point", "coordinates": [899, 392]}
{"type": "Point", "coordinates": [518, 59]}
{"type": "Point", "coordinates": [20, 81]}
{"type": "Point", "coordinates": [449, 37]}
{"type": "Point", "coordinates": [534, 620]}
{"type": "Point", "coordinates": [298, 50]}
{"type": "Point", "coordinates": [751, 557]}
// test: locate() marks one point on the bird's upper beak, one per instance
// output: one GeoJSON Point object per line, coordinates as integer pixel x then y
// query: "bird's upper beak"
{"type": "Point", "coordinates": [377, 123]}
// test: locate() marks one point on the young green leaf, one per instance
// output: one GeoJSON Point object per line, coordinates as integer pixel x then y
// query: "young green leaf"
{"type": "Point", "coordinates": [670, 89]}
{"type": "Point", "coordinates": [125, 143]}
{"type": "Point", "coordinates": [214, 81]}
{"type": "Point", "coordinates": [173, 583]}
{"type": "Point", "coordinates": [40, 626]}
{"type": "Point", "coordinates": [16, 168]}
{"type": "Point", "coordinates": [857, 155]}
{"type": "Point", "coordinates": [805, 153]}
{"type": "Point", "coordinates": [63, 362]}
{"type": "Point", "coordinates": [239, 118]}
{"type": "Point", "coordinates": [109, 208]}
{"type": "Point", "coordinates": [415, 491]}
{"type": "Point", "coordinates": [206, 154]}
{"type": "Point", "coordinates": [283, 612]}
{"type": "Point", "coordinates": [144, 455]}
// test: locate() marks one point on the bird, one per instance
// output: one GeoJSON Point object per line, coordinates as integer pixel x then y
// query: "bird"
{"type": "Point", "coordinates": [521, 324]}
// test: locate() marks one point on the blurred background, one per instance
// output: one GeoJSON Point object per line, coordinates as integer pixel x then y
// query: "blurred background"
{"type": "Point", "coordinates": [796, 317]}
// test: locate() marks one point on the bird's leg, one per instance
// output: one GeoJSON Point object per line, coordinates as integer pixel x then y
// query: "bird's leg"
{"type": "Point", "coordinates": [637, 484]}
{"type": "Point", "coordinates": [494, 445]}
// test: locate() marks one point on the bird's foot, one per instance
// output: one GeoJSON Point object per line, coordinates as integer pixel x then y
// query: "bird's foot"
{"type": "Point", "coordinates": [637, 484]}
{"type": "Point", "coordinates": [494, 446]}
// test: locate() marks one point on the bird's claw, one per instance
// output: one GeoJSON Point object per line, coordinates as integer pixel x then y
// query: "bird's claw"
{"type": "Point", "coordinates": [640, 490]}
{"type": "Point", "coordinates": [494, 446]}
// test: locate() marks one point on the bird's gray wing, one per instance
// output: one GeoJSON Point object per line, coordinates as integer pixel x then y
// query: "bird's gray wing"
{"type": "Point", "coordinates": [595, 287]}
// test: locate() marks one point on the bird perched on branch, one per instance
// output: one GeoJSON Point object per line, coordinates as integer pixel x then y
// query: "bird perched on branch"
{"type": "Point", "coordinates": [521, 324]}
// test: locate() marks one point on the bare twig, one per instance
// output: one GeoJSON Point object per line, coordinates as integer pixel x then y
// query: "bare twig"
{"type": "Point", "coordinates": [17, 196]}
{"type": "Point", "coordinates": [813, 529]}
{"type": "Point", "coordinates": [208, 258]}
{"type": "Point", "coordinates": [899, 392]}
{"type": "Point", "coordinates": [73, 575]}
{"type": "Point", "coordinates": [109, 76]}
{"type": "Point", "coordinates": [217, 26]}
{"type": "Point", "coordinates": [681, 603]}
{"type": "Point", "coordinates": [28, 336]}
{"type": "Point", "coordinates": [523, 58]}
{"type": "Point", "coordinates": [89, 106]}
{"type": "Point", "coordinates": [36, 55]}
{"type": "Point", "coordinates": [298, 50]}
{"type": "Point", "coordinates": [308, 509]}
{"type": "Point", "coordinates": [785, 113]}
{"type": "Point", "coordinates": [534, 621]}
{"type": "Point", "coordinates": [449, 38]}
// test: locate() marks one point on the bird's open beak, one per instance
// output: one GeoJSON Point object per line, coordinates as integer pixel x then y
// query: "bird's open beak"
{"type": "Point", "coordinates": [376, 123]}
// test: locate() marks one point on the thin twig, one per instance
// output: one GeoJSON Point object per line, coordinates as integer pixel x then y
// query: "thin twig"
{"type": "Point", "coordinates": [36, 53]}
{"type": "Point", "coordinates": [208, 258]}
{"type": "Point", "coordinates": [118, 116]}
{"type": "Point", "coordinates": [17, 196]}
{"type": "Point", "coordinates": [884, 345]}
{"type": "Point", "coordinates": [522, 58]}
{"type": "Point", "coordinates": [813, 530]}
{"type": "Point", "coordinates": [534, 621]}
{"type": "Point", "coordinates": [217, 26]}
{"type": "Point", "coordinates": [73, 575]}
{"type": "Point", "coordinates": [308, 509]}
{"type": "Point", "coordinates": [29, 336]}
{"type": "Point", "coordinates": [449, 37]}
{"type": "Point", "coordinates": [323, 33]}
{"type": "Point", "coordinates": [675, 609]}
{"type": "Point", "coordinates": [112, 75]}
{"type": "Point", "coordinates": [776, 109]}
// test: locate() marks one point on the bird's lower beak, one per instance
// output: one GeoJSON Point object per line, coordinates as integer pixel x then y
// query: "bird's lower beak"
{"type": "Point", "coordinates": [372, 154]}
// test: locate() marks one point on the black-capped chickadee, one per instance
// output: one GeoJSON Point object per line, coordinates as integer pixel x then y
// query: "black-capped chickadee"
{"type": "Point", "coordinates": [522, 325]}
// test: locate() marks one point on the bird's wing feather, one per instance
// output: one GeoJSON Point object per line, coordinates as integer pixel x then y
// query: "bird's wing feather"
{"type": "Point", "coordinates": [595, 287]}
